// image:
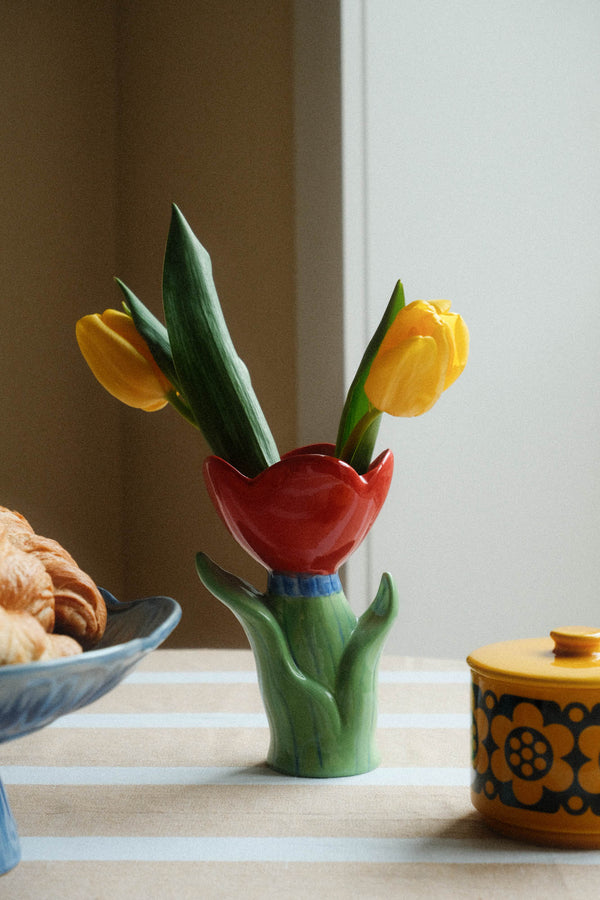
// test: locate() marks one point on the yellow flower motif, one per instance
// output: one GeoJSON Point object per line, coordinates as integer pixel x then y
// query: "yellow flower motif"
{"type": "Point", "coordinates": [589, 773]}
{"type": "Point", "coordinates": [422, 354]}
{"type": "Point", "coordinates": [121, 360]}
{"type": "Point", "coordinates": [530, 754]}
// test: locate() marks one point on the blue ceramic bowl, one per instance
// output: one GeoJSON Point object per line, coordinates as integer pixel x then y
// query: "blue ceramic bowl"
{"type": "Point", "coordinates": [35, 694]}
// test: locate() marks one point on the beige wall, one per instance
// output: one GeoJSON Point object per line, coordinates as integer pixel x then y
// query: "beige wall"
{"type": "Point", "coordinates": [111, 111]}
{"type": "Point", "coordinates": [57, 246]}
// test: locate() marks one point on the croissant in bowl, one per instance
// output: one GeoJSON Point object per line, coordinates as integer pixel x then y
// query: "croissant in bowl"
{"type": "Point", "coordinates": [23, 640]}
{"type": "Point", "coordinates": [44, 592]}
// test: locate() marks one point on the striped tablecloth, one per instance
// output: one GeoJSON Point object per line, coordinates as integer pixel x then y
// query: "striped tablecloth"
{"type": "Point", "coordinates": [159, 790]}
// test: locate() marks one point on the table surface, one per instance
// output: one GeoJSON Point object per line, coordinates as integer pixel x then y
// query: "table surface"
{"type": "Point", "coordinates": [159, 789]}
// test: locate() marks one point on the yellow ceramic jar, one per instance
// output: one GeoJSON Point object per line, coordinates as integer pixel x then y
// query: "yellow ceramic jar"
{"type": "Point", "coordinates": [536, 737]}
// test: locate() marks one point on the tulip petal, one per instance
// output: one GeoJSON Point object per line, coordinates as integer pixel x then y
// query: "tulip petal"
{"type": "Point", "coordinates": [460, 340]}
{"type": "Point", "coordinates": [408, 379]}
{"type": "Point", "coordinates": [153, 331]}
{"type": "Point", "coordinates": [119, 323]}
{"type": "Point", "coordinates": [117, 363]}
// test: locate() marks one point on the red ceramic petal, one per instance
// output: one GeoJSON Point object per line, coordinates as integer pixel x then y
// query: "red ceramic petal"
{"type": "Point", "coordinates": [305, 514]}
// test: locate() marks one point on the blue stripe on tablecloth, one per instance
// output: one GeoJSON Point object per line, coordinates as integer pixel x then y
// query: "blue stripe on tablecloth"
{"type": "Point", "coordinates": [226, 775]}
{"type": "Point", "coordinates": [289, 849]}
{"type": "Point", "coordinates": [242, 720]}
{"type": "Point", "coordinates": [243, 677]}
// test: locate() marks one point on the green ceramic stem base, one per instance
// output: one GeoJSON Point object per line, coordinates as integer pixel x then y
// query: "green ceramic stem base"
{"type": "Point", "coordinates": [317, 668]}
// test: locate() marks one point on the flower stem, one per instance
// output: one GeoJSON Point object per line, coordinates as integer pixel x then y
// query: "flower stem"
{"type": "Point", "coordinates": [358, 449]}
{"type": "Point", "coordinates": [177, 402]}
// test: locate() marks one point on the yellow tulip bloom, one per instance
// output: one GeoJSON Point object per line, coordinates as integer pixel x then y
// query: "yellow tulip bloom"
{"type": "Point", "coordinates": [121, 360]}
{"type": "Point", "coordinates": [423, 353]}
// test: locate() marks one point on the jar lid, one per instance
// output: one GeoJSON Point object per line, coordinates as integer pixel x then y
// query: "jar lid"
{"type": "Point", "coordinates": [569, 654]}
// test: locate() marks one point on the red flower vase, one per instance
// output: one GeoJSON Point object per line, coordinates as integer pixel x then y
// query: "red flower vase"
{"type": "Point", "coordinates": [305, 514]}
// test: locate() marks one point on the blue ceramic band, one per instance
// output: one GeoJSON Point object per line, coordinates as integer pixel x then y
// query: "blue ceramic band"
{"type": "Point", "coordinates": [284, 584]}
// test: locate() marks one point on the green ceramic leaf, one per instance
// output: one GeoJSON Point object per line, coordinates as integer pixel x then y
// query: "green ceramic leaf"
{"type": "Point", "coordinates": [296, 704]}
{"type": "Point", "coordinates": [317, 669]}
{"type": "Point", "coordinates": [357, 677]}
{"type": "Point", "coordinates": [212, 377]}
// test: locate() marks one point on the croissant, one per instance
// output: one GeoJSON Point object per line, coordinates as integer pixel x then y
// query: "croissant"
{"type": "Point", "coordinates": [79, 608]}
{"type": "Point", "coordinates": [13, 522]}
{"type": "Point", "coordinates": [22, 638]}
{"type": "Point", "coordinates": [25, 585]}
{"type": "Point", "coordinates": [58, 645]}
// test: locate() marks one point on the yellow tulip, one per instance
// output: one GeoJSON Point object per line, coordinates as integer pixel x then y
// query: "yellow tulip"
{"type": "Point", "coordinates": [121, 360]}
{"type": "Point", "coordinates": [423, 353]}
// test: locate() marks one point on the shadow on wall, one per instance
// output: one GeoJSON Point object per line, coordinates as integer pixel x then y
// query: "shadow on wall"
{"type": "Point", "coordinates": [108, 117]}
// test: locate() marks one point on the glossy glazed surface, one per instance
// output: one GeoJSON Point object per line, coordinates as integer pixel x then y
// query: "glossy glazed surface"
{"type": "Point", "coordinates": [34, 695]}
{"type": "Point", "coordinates": [317, 669]}
{"type": "Point", "coordinates": [536, 738]}
{"type": "Point", "coordinates": [305, 514]}
{"type": "Point", "coordinates": [568, 656]}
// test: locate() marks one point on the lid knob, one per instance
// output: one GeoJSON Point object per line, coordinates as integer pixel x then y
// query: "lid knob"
{"type": "Point", "coordinates": [580, 642]}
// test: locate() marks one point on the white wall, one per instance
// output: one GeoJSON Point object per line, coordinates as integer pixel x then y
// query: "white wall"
{"type": "Point", "coordinates": [471, 172]}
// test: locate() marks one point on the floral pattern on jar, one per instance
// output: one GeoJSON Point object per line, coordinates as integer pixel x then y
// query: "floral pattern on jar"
{"type": "Point", "coordinates": [531, 754]}
{"type": "Point", "coordinates": [534, 754]}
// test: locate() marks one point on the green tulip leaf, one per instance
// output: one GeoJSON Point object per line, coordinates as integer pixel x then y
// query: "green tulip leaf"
{"type": "Point", "coordinates": [359, 424]}
{"type": "Point", "coordinates": [211, 375]}
{"type": "Point", "coordinates": [152, 330]}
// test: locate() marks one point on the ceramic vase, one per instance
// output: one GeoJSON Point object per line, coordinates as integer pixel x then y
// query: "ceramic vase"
{"type": "Point", "coordinates": [317, 662]}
